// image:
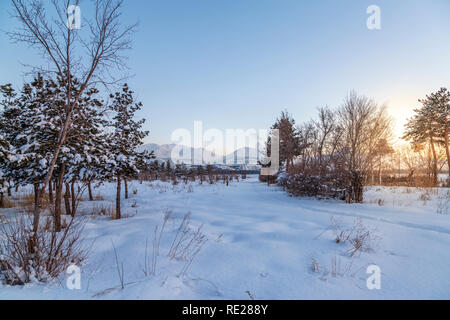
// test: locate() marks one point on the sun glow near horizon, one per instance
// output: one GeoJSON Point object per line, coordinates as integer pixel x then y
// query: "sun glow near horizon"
{"type": "Point", "coordinates": [401, 108]}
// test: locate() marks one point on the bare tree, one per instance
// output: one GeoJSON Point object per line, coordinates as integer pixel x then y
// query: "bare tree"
{"type": "Point", "coordinates": [89, 56]}
{"type": "Point", "coordinates": [335, 151]}
{"type": "Point", "coordinates": [327, 127]}
{"type": "Point", "coordinates": [383, 148]}
{"type": "Point", "coordinates": [364, 124]}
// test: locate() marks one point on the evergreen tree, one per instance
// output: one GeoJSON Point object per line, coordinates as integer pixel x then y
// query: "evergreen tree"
{"type": "Point", "coordinates": [168, 169]}
{"type": "Point", "coordinates": [84, 154]}
{"type": "Point", "coordinates": [5, 151]}
{"type": "Point", "coordinates": [430, 125]}
{"type": "Point", "coordinates": [289, 139]}
{"type": "Point", "coordinates": [32, 130]}
{"type": "Point", "coordinates": [32, 122]}
{"type": "Point", "coordinates": [438, 104]}
{"type": "Point", "coordinates": [127, 135]}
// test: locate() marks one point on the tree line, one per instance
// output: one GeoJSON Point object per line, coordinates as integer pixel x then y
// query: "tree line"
{"type": "Point", "coordinates": [100, 143]}
{"type": "Point", "coordinates": [345, 148]}
{"type": "Point", "coordinates": [166, 171]}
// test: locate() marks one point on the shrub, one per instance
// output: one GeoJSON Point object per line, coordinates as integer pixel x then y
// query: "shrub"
{"type": "Point", "coordinates": [304, 185]}
{"type": "Point", "coordinates": [26, 257]}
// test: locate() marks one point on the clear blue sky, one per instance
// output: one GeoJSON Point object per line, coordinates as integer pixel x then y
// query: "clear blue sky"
{"type": "Point", "coordinates": [238, 63]}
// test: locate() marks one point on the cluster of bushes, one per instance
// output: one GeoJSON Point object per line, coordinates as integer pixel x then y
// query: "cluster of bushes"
{"type": "Point", "coordinates": [333, 185]}
{"type": "Point", "coordinates": [329, 155]}
{"type": "Point", "coordinates": [300, 184]}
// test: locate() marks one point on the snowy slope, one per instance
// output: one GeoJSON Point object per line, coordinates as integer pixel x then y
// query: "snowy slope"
{"type": "Point", "coordinates": [262, 241]}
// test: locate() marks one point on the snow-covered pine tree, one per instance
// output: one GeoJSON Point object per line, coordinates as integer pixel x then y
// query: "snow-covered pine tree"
{"type": "Point", "coordinates": [32, 125]}
{"type": "Point", "coordinates": [85, 153]}
{"type": "Point", "coordinates": [127, 135]}
{"type": "Point", "coordinates": [31, 131]}
{"type": "Point", "coordinates": [8, 100]}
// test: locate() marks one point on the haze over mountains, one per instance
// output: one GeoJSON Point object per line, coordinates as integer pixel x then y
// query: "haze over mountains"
{"type": "Point", "coordinates": [200, 155]}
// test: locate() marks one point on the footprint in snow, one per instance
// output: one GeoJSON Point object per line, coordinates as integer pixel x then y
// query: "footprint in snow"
{"type": "Point", "coordinates": [203, 287]}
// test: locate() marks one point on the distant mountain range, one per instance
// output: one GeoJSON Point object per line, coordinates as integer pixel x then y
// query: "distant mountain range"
{"type": "Point", "coordinates": [201, 155]}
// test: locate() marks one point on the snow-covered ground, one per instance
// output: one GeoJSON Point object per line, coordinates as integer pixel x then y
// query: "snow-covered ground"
{"type": "Point", "coordinates": [263, 243]}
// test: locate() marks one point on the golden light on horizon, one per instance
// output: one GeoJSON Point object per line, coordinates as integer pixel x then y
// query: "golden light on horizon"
{"type": "Point", "coordinates": [401, 108]}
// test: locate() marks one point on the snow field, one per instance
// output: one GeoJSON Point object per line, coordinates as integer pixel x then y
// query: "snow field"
{"type": "Point", "coordinates": [262, 241]}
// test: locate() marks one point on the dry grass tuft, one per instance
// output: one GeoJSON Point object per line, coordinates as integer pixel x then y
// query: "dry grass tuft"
{"type": "Point", "coordinates": [359, 236]}
{"type": "Point", "coordinates": [7, 204]}
{"type": "Point", "coordinates": [102, 210]}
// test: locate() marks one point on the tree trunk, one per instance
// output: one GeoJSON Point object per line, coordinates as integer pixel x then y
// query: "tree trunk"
{"type": "Point", "coordinates": [67, 200]}
{"type": "Point", "coordinates": [435, 170]}
{"type": "Point", "coordinates": [9, 191]}
{"type": "Point", "coordinates": [37, 192]}
{"type": "Point", "coordinates": [379, 173]}
{"type": "Point", "coordinates": [50, 193]}
{"type": "Point", "coordinates": [37, 212]}
{"type": "Point", "coordinates": [91, 197]}
{"type": "Point", "coordinates": [429, 174]}
{"type": "Point", "coordinates": [118, 198]}
{"type": "Point", "coordinates": [58, 197]}
{"type": "Point", "coordinates": [37, 204]}
{"type": "Point", "coordinates": [1, 200]}
{"type": "Point", "coordinates": [125, 182]}
{"type": "Point", "coordinates": [47, 180]}
{"type": "Point", "coordinates": [447, 150]}
{"type": "Point", "coordinates": [74, 198]}
{"type": "Point", "coordinates": [356, 188]}
{"type": "Point", "coordinates": [372, 174]}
